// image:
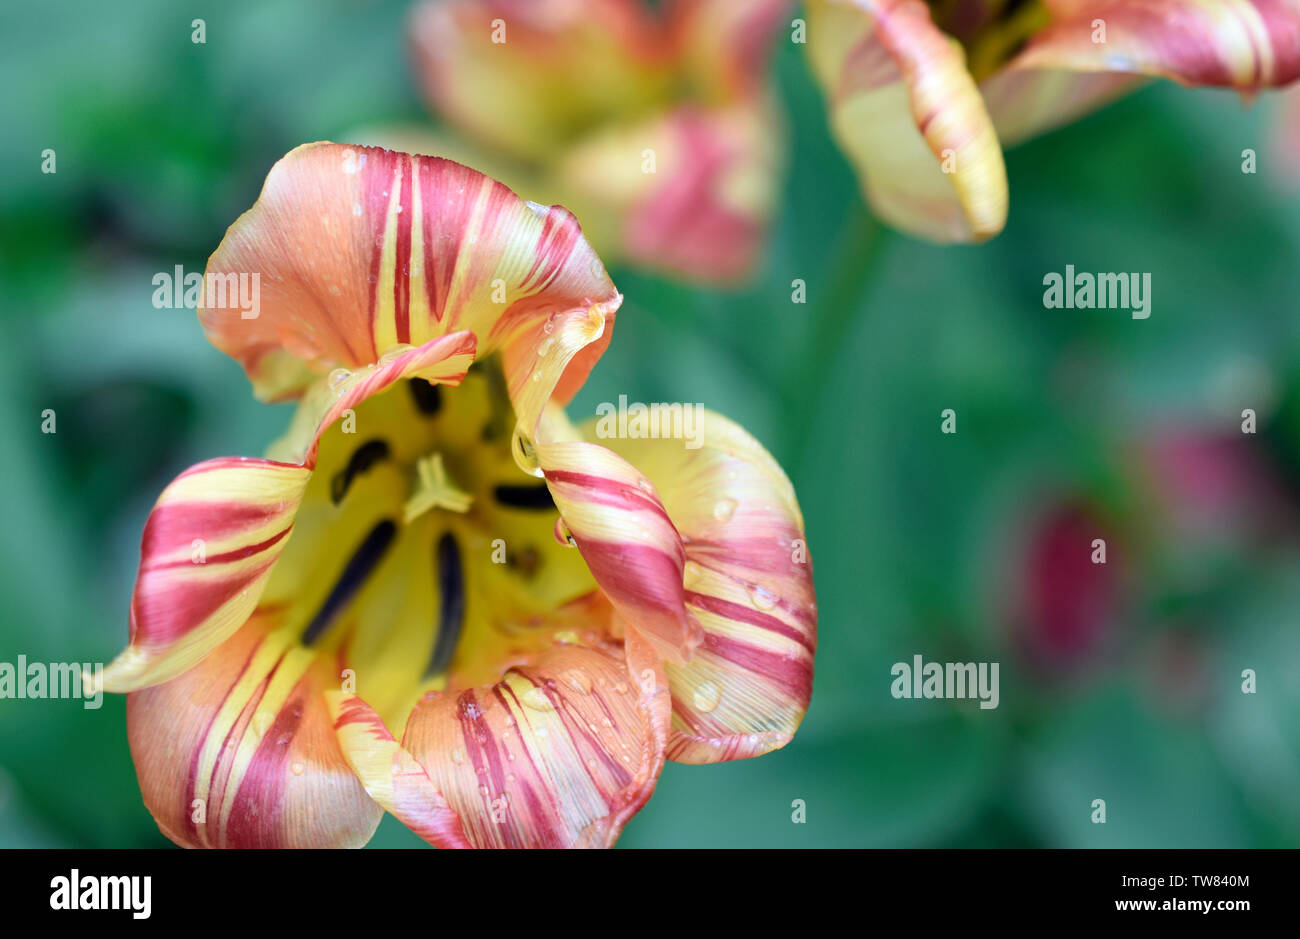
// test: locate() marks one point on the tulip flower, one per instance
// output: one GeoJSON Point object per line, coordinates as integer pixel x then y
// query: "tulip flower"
{"type": "Point", "coordinates": [1066, 598]}
{"type": "Point", "coordinates": [655, 127]}
{"type": "Point", "coordinates": [435, 596]}
{"type": "Point", "coordinates": [924, 96]}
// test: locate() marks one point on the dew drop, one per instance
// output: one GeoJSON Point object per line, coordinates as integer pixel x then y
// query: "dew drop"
{"type": "Point", "coordinates": [262, 722]}
{"type": "Point", "coordinates": [763, 598]}
{"type": "Point", "coordinates": [297, 767]}
{"type": "Point", "coordinates": [338, 377]}
{"type": "Point", "coordinates": [707, 695]}
{"type": "Point", "coordinates": [563, 535]}
{"type": "Point", "coordinates": [525, 454]}
{"type": "Point", "coordinates": [458, 756]}
{"type": "Point", "coordinates": [536, 699]}
{"type": "Point", "coordinates": [723, 509]}
{"type": "Point", "coordinates": [578, 681]}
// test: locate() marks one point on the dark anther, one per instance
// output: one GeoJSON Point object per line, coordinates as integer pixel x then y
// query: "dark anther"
{"type": "Point", "coordinates": [524, 497]}
{"type": "Point", "coordinates": [451, 604]}
{"type": "Point", "coordinates": [366, 456]}
{"type": "Point", "coordinates": [363, 561]}
{"type": "Point", "coordinates": [428, 397]}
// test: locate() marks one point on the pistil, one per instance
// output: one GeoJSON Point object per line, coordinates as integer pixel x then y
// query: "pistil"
{"type": "Point", "coordinates": [434, 490]}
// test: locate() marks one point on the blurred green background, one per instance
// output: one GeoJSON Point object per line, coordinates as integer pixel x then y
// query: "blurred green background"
{"type": "Point", "coordinates": [1120, 682]}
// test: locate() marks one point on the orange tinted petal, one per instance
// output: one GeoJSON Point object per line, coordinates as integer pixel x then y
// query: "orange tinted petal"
{"type": "Point", "coordinates": [360, 249]}
{"type": "Point", "coordinates": [559, 753]}
{"type": "Point", "coordinates": [239, 751]}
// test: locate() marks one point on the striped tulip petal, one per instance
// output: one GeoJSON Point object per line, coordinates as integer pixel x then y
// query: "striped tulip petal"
{"type": "Point", "coordinates": [615, 518]}
{"type": "Point", "coordinates": [209, 546]}
{"type": "Point", "coordinates": [440, 361]}
{"type": "Point", "coordinates": [910, 118]}
{"type": "Point", "coordinates": [559, 753]}
{"type": "Point", "coordinates": [391, 775]}
{"type": "Point", "coordinates": [748, 582]}
{"type": "Point", "coordinates": [361, 249]}
{"type": "Point", "coordinates": [1242, 44]}
{"type": "Point", "coordinates": [215, 534]}
{"type": "Point", "coordinates": [1066, 71]}
{"type": "Point", "coordinates": [526, 77]}
{"type": "Point", "coordinates": [240, 752]}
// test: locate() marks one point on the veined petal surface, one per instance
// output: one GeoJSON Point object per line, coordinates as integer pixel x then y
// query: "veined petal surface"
{"type": "Point", "coordinates": [361, 249]}
{"type": "Point", "coordinates": [748, 582]}
{"type": "Point", "coordinates": [239, 751]}
{"type": "Point", "coordinates": [560, 752]}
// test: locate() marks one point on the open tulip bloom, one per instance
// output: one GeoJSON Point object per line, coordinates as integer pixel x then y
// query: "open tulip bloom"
{"type": "Point", "coordinates": [435, 596]}
{"type": "Point", "coordinates": [571, 97]}
{"type": "Point", "coordinates": [924, 95]}
{"type": "Point", "coordinates": [656, 127]}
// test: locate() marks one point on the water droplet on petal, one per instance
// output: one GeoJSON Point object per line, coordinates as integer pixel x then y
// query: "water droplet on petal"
{"type": "Point", "coordinates": [763, 598]}
{"type": "Point", "coordinates": [297, 767]}
{"type": "Point", "coordinates": [458, 756]}
{"type": "Point", "coordinates": [338, 377]}
{"type": "Point", "coordinates": [723, 509]}
{"type": "Point", "coordinates": [262, 722]}
{"type": "Point", "coordinates": [536, 699]}
{"type": "Point", "coordinates": [706, 697]}
{"type": "Point", "coordinates": [578, 681]}
{"type": "Point", "coordinates": [563, 535]}
{"type": "Point", "coordinates": [525, 454]}
{"type": "Point", "coordinates": [645, 485]}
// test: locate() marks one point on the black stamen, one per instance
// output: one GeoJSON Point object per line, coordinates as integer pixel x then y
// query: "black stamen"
{"type": "Point", "coordinates": [428, 397]}
{"type": "Point", "coordinates": [355, 572]}
{"type": "Point", "coordinates": [451, 605]}
{"type": "Point", "coordinates": [366, 456]}
{"type": "Point", "coordinates": [524, 497]}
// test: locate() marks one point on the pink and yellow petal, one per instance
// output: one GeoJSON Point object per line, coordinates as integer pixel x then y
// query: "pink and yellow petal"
{"type": "Point", "coordinates": [1242, 44]}
{"type": "Point", "coordinates": [909, 117]}
{"type": "Point", "coordinates": [391, 775]}
{"type": "Point", "coordinates": [240, 752]}
{"type": "Point", "coordinates": [748, 582]}
{"type": "Point", "coordinates": [209, 546]}
{"type": "Point", "coordinates": [615, 518]}
{"type": "Point", "coordinates": [361, 249]}
{"type": "Point", "coordinates": [1067, 70]}
{"type": "Point", "coordinates": [558, 753]}
{"type": "Point", "coordinates": [526, 77]}
{"type": "Point", "coordinates": [440, 361]}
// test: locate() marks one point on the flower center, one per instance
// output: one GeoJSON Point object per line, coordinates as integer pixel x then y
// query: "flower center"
{"type": "Point", "coordinates": [433, 489]}
{"type": "Point", "coordinates": [423, 558]}
{"type": "Point", "coordinates": [991, 31]}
